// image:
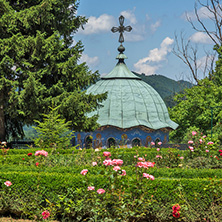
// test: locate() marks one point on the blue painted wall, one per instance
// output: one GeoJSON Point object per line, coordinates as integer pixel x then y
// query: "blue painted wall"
{"type": "Point", "coordinates": [100, 137]}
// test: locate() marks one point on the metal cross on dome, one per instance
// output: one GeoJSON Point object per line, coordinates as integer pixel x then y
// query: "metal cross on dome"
{"type": "Point", "coordinates": [121, 29]}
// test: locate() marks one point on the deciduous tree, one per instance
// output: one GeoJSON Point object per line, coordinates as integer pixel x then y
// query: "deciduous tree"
{"type": "Point", "coordinates": [193, 108]}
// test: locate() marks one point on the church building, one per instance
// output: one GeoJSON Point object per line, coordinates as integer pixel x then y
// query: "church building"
{"type": "Point", "coordinates": [133, 113]}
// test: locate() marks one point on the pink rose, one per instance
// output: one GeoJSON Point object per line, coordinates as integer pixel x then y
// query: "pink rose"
{"type": "Point", "coordinates": [181, 157]}
{"type": "Point", "coordinates": [201, 141]}
{"type": "Point", "coordinates": [94, 163]}
{"type": "Point", "coordinates": [123, 173]}
{"type": "Point", "coordinates": [152, 143]}
{"type": "Point", "coordinates": [207, 151]}
{"type": "Point", "coordinates": [45, 214]}
{"type": "Point", "coordinates": [139, 164]}
{"type": "Point", "coordinates": [158, 149]}
{"type": "Point", "coordinates": [190, 142]}
{"type": "Point", "coordinates": [91, 188]}
{"type": "Point", "coordinates": [135, 156]}
{"type": "Point", "coordinates": [8, 183]}
{"type": "Point", "coordinates": [140, 159]}
{"type": "Point", "coordinates": [116, 168]}
{"type": "Point", "coordinates": [41, 153]}
{"type": "Point", "coordinates": [106, 154]}
{"type": "Point", "coordinates": [209, 143]}
{"type": "Point", "coordinates": [145, 164]}
{"type": "Point", "coordinates": [194, 133]}
{"type": "Point", "coordinates": [191, 148]}
{"type": "Point", "coordinates": [107, 162]}
{"type": "Point", "coordinates": [84, 172]}
{"type": "Point", "coordinates": [146, 175]}
{"type": "Point", "coordinates": [151, 177]}
{"type": "Point", "coordinates": [149, 164]}
{"type": "Point", "coordinates": [204, 136]}
{"type": "Point", "coordinates": [37, 164]}
{"type": "Point", "coordinates": [159, 143]}
{"type": "Point", "coordinates": [100, 191]}
{"type": "Point", "coordinates": [158, 156]}
{"type": "Point", "coordinates": [117, 162]}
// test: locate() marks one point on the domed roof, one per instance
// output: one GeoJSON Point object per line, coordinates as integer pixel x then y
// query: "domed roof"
{"type": "Point", "coordinates": [130, 101]}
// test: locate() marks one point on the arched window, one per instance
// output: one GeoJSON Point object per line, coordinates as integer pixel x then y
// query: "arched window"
{"type": "Point", "coordinates": [88, 141]}
{"type": "Point", "coordinates": [111, 142]}
{"type": "Point", "coordinates": [136, 142]}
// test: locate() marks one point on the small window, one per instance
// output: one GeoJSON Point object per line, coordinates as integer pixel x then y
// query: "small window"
{"type": "Point", "coordinates": [111, 142]}
{"type": "Point", "coordinates": [136, 142]}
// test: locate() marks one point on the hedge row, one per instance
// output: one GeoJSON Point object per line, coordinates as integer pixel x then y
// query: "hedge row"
{"type": "Point", "coordinates": [42, 190]}
{"type": "Point", "coordinates": [74, 150]}
{"type": "Point", "coordinates": [130, 170]}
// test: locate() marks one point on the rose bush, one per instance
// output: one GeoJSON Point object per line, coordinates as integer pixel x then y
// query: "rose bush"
{"type": "Point", "coordinates": [66, 184]}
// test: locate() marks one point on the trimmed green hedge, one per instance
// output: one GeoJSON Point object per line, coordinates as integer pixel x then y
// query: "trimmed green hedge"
{"type": "Point", "coordinates": [57, 185]}
{"type": "Point", "coordinates": [74, 150]}
{"type": "Point", "coordinates": [157, 172]}
{"type": "Point", "coordinates": [156, 195]}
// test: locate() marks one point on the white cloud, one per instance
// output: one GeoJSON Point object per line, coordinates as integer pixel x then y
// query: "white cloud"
{"type": "Point", "coordinates": [145, 68]}
{"type": "Point", "coordinates": [90, 61]}
{"type": "Point", "coordinates": [98, 25]}
{"type": "Point", "coordinates": [155, 25]}
{"type": "Point", "coordinates": [147, 17]}
{"type": "Point", "coordinates": [105, 22]}
{"type": "Point", "coordinates": [200, 37]}
{"type": "Point", "coordinates": [202, 12]}
{"type": "Point", "coordinates": [133, 37]}
{"type": "Point", "coordinates": [130, 16]}
{"type": "Point", "coordinates": [138, 29]}
{"type": "Point", "coordinates": [151, 63]}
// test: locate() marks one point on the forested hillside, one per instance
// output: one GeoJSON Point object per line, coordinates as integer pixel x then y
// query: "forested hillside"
{"type": "Point", "coordinates": [166, 87]}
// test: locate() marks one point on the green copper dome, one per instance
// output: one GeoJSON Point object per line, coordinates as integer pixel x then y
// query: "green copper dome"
{"type": "Point", "coordinates": [130, 102]}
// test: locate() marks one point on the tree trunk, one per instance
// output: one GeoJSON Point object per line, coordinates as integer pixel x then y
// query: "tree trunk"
{"type": "Point", "coordinates": [2, 124]}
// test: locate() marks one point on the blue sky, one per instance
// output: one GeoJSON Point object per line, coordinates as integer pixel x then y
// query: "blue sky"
{"type": "Point", "coordinates": [149, 45]}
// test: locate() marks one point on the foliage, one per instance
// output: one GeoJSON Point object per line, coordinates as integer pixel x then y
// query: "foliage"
{"type": "Point", "coordinates": [217, 132]}
{"type": "Point", "coordinates": [39, 65]}
{"type": "Point", "coordinates": [53, 131]}
{"type": "Point", "coordinates": [64, 193]}
{"type": "Point", "coordinates": [193, 108]}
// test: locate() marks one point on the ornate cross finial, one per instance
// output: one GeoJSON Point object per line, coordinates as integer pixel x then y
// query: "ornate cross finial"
{"type": "Point", "coordinates": [121, 29]}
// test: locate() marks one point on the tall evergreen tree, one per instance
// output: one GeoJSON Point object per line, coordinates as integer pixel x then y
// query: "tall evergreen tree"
{"type": "Point", "coordinates": [39, 65]}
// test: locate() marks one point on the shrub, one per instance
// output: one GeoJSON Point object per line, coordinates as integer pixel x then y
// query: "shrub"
{"type": "Point", "coordinates": [53, 131]}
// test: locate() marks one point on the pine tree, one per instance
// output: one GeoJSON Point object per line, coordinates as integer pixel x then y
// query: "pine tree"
{"type": "Point", "coordinates": [53, 131]}
{"type": "Point", "coordinates": [39, 65]}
